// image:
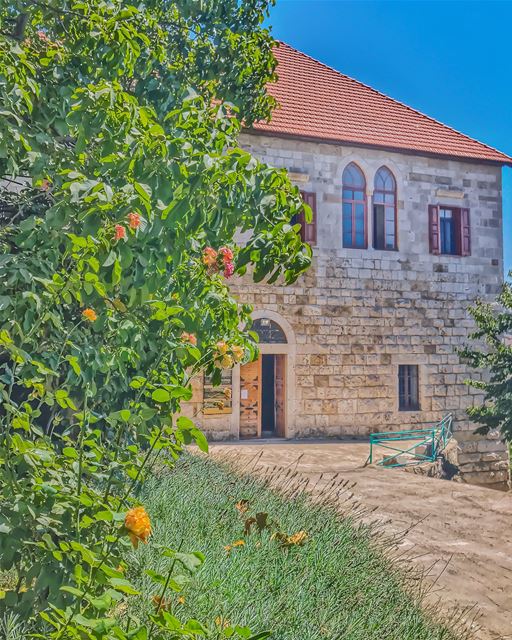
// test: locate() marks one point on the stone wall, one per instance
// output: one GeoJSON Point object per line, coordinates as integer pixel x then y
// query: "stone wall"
{"type": "Point", "coordinates": [358, 314]}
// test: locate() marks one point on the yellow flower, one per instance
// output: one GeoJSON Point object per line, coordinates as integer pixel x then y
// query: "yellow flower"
{"type": "Point", "coordinates": [238, 352]}
{"type": "Point", "coordinates": [161, 603]}
{"type": "Point", "coordinates": [89, 314]}
{"type": "Point", "coordinates": [237, 543]}
{"type": "Point", "coordinates": [242, 505]}
{"type": "Point", "coordinates": [222, 347]}
{"type": "Point", "coordinates": [226, 362]}
{"type": "Point", "coordinates": [222, 622]}
{"type": "Point", "coordinates": [138, 524]}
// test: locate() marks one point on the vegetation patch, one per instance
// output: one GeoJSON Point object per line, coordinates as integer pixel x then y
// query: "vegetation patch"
{"type": "Point", "coordinates": [275, 563]}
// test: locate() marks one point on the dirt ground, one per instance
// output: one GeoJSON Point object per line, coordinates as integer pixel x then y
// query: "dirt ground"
{"type": "Point", "coordinates": [461, 534]}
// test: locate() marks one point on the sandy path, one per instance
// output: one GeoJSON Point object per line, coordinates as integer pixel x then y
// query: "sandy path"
{"type": "Point", "coordinates": [463, 530]}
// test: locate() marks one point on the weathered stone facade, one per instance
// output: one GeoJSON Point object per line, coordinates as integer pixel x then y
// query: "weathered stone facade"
{"type": "Point", "coordinates": [357, 315]}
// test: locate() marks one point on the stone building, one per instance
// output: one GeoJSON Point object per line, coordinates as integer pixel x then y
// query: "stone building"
{"type": "Point", "coordinates": [407, 233]}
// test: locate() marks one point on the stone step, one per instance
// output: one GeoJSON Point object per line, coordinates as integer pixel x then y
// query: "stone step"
{"type": "Point", "coordinates": [401, 458]}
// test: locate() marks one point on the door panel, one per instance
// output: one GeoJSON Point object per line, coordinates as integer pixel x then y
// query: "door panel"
{"type": "Point", "coordinates": [280, 394]}
{"type": "Point", "coordinates": [250, 399]}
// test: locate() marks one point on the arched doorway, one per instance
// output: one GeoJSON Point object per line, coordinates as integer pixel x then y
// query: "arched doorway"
{"type": "Point", "coordinates": [264, 397]}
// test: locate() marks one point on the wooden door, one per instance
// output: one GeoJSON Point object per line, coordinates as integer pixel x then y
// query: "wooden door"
{"type": "Point", "coordinates": [280, 394]}
{"type": "Point", "coordinates": [250, 399]}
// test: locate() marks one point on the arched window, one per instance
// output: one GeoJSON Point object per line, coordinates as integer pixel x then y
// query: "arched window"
{"type": "Point", "coordinates": [269, 331]}
{"type": "Point", "coordinates": [384, 211]}
{"type": "Point", "coordinates": [354, 207]}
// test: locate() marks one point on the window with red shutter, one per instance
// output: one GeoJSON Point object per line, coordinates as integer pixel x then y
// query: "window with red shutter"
{"type": "Point", "coordinates": [308, 229]}
{"type": "Point", "coordinates": [449, 231]}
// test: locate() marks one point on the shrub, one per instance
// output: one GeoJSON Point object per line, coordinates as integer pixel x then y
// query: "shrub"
{"type": "Point", "coordinates": [493, 356]}
{"type": "Point", "coordinates": [119, 140]}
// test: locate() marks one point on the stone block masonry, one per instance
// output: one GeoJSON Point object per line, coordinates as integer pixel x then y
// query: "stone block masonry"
{"type": "Point", "coordinates": [359, 314]}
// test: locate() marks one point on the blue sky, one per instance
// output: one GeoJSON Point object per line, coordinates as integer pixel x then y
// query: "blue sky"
{"type": "Point", "coordinates": [449, 59]}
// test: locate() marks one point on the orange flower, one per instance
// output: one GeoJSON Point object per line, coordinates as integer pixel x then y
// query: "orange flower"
{"type": "Point", "coordinates": [138, 524]}
{"type": "Point", "coordinates": [210, 257]}
{"type": "Point", "coordinates": [89, 314]}
{"type": "Point", "coordinates": [189, 337]}
{"type": "Point", "coordinates": [120, 232]}
{"type": "Point", "coordinates": [134, 220]}
{"type": "Point", "coordinates": [45, 185]}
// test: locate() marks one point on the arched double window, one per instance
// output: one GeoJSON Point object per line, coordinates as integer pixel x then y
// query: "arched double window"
{"type": "Point", "coordinates": [354, 208]}
{"type": "Point", "coordinates": [384, 211]}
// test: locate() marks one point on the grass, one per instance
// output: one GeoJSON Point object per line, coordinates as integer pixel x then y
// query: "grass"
{"type": "Point", "coordinates": [338, 585]}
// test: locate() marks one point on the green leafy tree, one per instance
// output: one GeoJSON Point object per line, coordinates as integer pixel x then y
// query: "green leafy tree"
{"type": "Point", "coordinates": [124, 190]}
{"type": "Point", "coordinates": [493, 356]}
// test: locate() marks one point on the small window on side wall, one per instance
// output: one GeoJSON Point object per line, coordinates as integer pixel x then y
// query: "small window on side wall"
{"type": "Point", "coordinates": [449, 231]}
{"type": "Point", "coordinates": [218, 398]}
{"type": "Point", "coordinates": [307, 229]}
{"type": "Point", "coordinates": [408, 387]}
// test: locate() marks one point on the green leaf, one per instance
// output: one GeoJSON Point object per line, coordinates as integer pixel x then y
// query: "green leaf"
{"type": "Point", "coordinates": [120, 584]}
{"type": "Point", "coordinates": [161, 395]}
{"type": "Point", "coordinates": [104, 516]}
{"type": "Point", "coordinates": [143, 190]}
{"type": "Point", "coordinates": [116, 273]}
{"type": "Point", "coordinates": [5, 302]}
{"type": "Point", "coordinates": [73, 361]}
{"type": "Point", "coordinates": [111, 258]}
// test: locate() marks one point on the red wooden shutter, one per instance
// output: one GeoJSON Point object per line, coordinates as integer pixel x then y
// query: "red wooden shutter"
{"type": "Point", "coordinates": [309, 228]}
{"type": "Point", "coordinates": [465, 233]}
{"type": "Point", "coordinates": [433, 229]}
{"type": "Point", "coordinates": [300, 218]}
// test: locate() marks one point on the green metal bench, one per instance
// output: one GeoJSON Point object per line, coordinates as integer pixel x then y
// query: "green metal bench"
{"type": "Point", "coordinates": [433, 439]}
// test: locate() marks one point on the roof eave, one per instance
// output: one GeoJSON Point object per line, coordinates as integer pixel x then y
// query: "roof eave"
{"type": "Point", "coordinates": [413, 152]}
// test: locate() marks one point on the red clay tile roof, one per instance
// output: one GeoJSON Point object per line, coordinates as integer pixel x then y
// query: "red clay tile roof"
{"type": "Point", "coordinates": [319, 102]}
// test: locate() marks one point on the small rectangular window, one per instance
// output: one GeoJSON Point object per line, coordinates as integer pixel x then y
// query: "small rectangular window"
{"type": "Point", "coordinates": [218, 399]}
{"type": "Point", "coordinates": [408, 387]}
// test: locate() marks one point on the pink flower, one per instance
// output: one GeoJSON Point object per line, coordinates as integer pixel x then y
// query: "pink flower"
{"type": "Point", "coordinates": [134, 220]}
{"type": "Point", "coordinates": [120, 232]}
{"type": "Point", "coordinates": [229, 269]}
{"type": "Point", "coordinates": [227, 254]}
